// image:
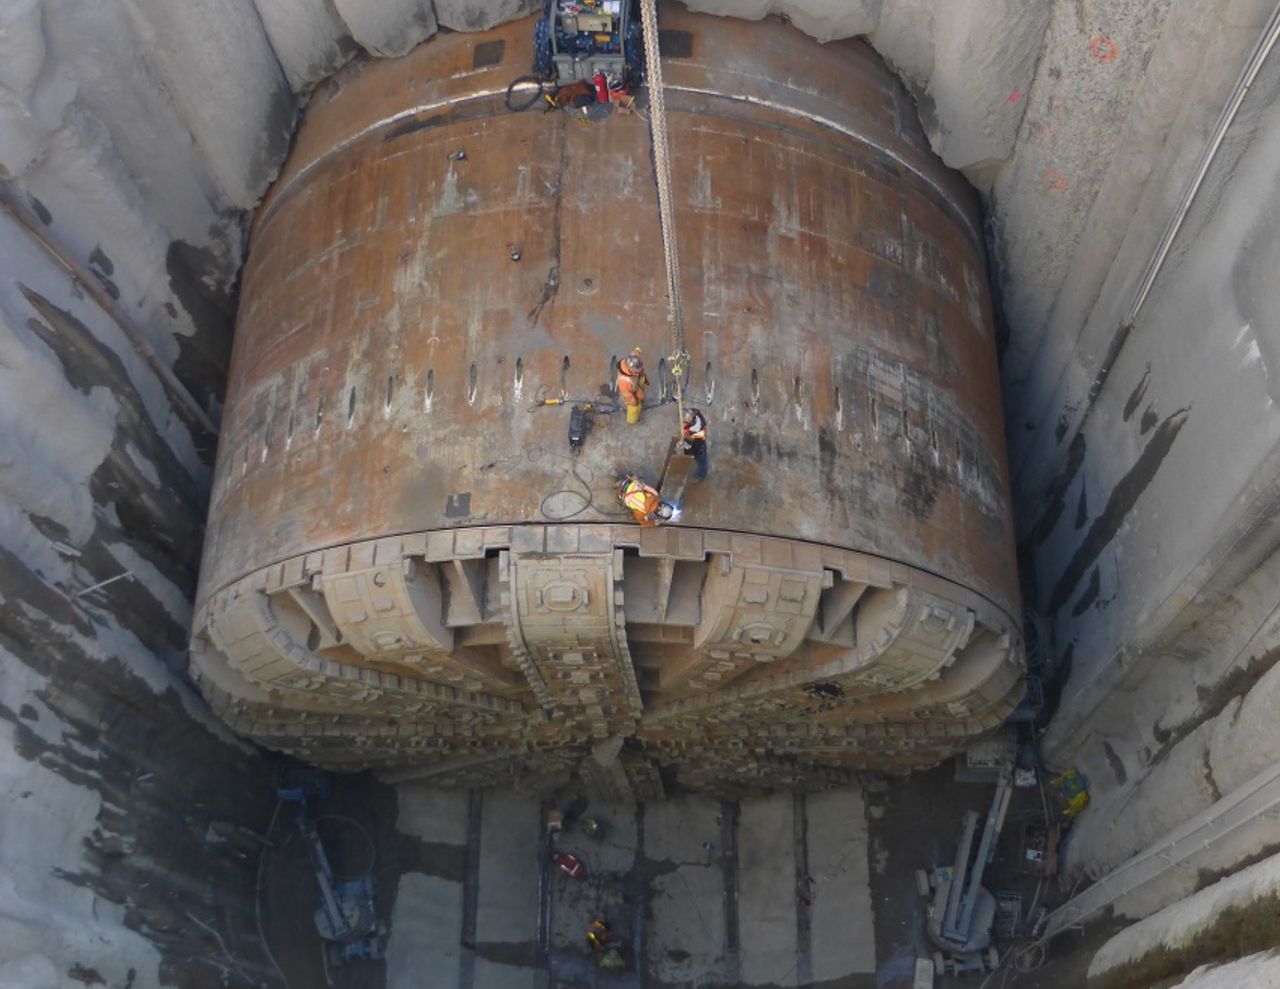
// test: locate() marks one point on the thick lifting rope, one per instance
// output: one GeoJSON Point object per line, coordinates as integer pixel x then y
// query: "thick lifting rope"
{"type": "Point", "coordinates": [679, 360]}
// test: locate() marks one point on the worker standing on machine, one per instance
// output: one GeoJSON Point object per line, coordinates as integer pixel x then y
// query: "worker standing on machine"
{"type": "Point", "coordinates": [693, 429]}
{"type": "Point", "coordinates": [632, 382]}
{"type": "Point", "coordinates": [646, 505]}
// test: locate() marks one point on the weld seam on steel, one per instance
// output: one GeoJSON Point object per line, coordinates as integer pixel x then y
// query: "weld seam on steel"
{"type": "Point", "coordinates": [286, 189]}
{"type": "Point", "coordinates": [822, 121]}
{"type": "Point", "coordinates": [847, 131]}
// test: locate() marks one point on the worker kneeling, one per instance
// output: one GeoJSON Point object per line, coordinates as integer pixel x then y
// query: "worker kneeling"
{"type": "Point", "coordinates": [644, 501]}
{"type": "Point", "coordinates": [632, 382]}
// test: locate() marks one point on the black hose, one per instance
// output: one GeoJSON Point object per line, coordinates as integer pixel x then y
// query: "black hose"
{"type": "Point", "coordinates": [519, 88]}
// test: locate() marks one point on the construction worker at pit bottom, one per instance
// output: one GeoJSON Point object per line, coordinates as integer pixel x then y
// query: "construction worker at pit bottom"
{"type": "Point", "coordinates": [632, 382]}
{"type": "Point", "coordinates": [643, 500]}
{"type": "Point", "coordinates": [598, 935]}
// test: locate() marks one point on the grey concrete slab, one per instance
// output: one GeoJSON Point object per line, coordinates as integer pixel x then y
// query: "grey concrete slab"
{"type": "Point", "coordinates": [432, 814]}
{"type": "Point", "coordinates": [423, 947]}
{"type": "Point", "coordinates": [676, 829]}
{"type": "Point", "coordinates": [686, 932]}
{"type": "Point", "coordinates": [767, 891]}
{"type": "Point", "coordinates": [615, 852]}
{"type": "Point", "coordinates": [843, 925]}
{"type": "Point", "coordinates": [507, 907]}
{"type": "Point", "coordinates": [493, 975]}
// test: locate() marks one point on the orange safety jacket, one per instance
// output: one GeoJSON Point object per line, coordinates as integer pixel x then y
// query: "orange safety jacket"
{"type": "Point", "coordinates": [631, 386]}
{"type": "Point", "coordinates": [598, 935]}
{"type": "Point", "coordinates": [642, 500]}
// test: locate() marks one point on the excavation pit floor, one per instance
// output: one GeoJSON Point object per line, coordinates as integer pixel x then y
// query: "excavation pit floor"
{"type": "Point", "coordinates": [786, 890]}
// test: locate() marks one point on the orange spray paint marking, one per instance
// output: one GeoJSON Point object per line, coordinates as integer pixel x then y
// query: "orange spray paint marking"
{"type": "Point", "coordinates": [1103, 48]}
{"type": "Point", "coordinates": [1055, 181]}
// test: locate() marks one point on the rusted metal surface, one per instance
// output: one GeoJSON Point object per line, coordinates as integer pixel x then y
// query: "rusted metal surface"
{"type": "Point", "coordinates": [389, 348]}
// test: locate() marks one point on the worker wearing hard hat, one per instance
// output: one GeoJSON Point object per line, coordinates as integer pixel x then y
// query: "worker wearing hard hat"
{"type": "Point", "coordinates": [693, 429]}
{"type": "Point", "coordinates": [632, 382]}
{"type": "Point", "coordinates": [643, 501]}
{"type": "Point", "coordinates": [599, 935]}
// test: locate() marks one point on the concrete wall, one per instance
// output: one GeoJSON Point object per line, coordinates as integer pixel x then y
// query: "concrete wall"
{"type": "Point", "coordinates": [132, 135]}
{"type": "Point", "coordinates": [112, 771]}
{"type": "Point", "coordinates": [1228, 917]}
{"type": "Point", "coordinates": [1151, 542]}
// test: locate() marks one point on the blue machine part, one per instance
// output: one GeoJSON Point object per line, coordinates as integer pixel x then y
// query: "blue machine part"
{"type": "Point", "coordinates": [633, 51]}
{"type": "Point", "coordinates": [542, 65]}
{"type": "Point", "coordinates": [304, 784]}
{"type": "Point", "coordinates": [346, 918]}
{"type": "Point", "coordinates": [370, 948]}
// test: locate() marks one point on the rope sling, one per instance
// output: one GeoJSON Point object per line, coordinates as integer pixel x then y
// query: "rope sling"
{"type": "Point", "coordinates": [679, 360]}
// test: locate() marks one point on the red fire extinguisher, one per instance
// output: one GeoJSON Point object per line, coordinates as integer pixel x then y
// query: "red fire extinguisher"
{"type": "Point", "coordinates": [602, 86]}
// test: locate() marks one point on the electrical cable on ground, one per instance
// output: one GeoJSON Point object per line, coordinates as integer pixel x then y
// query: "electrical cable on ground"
{"type": "Point", "coordinates": [223, 945]}
{"type": "Point", "coordinates": [588, 499]}
{"type": "Point", "coordinates": [368, 840]}
{"type": "Point", "coordinates": [257, 897]}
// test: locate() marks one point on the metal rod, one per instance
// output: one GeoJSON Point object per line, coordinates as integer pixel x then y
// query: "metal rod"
{"type": "Point", "coordinates": [957, 876]}
{"type": "Point", "coordinates": [995, 820]}
{"type": "Point", "coordinates": [103, 583]}
{"type": "Point", "coordinates": [1121, 336]}
{"type": "Point", "coordinates": [12, 204]}
{"type": "Point", "coordinates": [1260, 52]}
{"type": "Point", "coordinates": [338, 924]}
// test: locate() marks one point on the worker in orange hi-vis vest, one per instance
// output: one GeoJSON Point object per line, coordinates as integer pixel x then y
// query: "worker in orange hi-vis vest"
{"type": "Point", "coordinates": [632, 382]}
{"type": "Point", "coordinates": [643, 500]}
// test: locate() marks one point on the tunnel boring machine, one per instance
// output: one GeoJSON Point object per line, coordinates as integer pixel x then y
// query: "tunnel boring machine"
{"type": "Point", "coordinates": [407, 568]}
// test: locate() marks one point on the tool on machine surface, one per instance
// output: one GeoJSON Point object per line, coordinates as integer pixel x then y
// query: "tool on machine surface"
{"type": "Point", "coordinates": [346, 918]}
{"type": "Point", "coordinates": [581, 413]}
{"type": "Point", "coordinates": [962, 911]}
